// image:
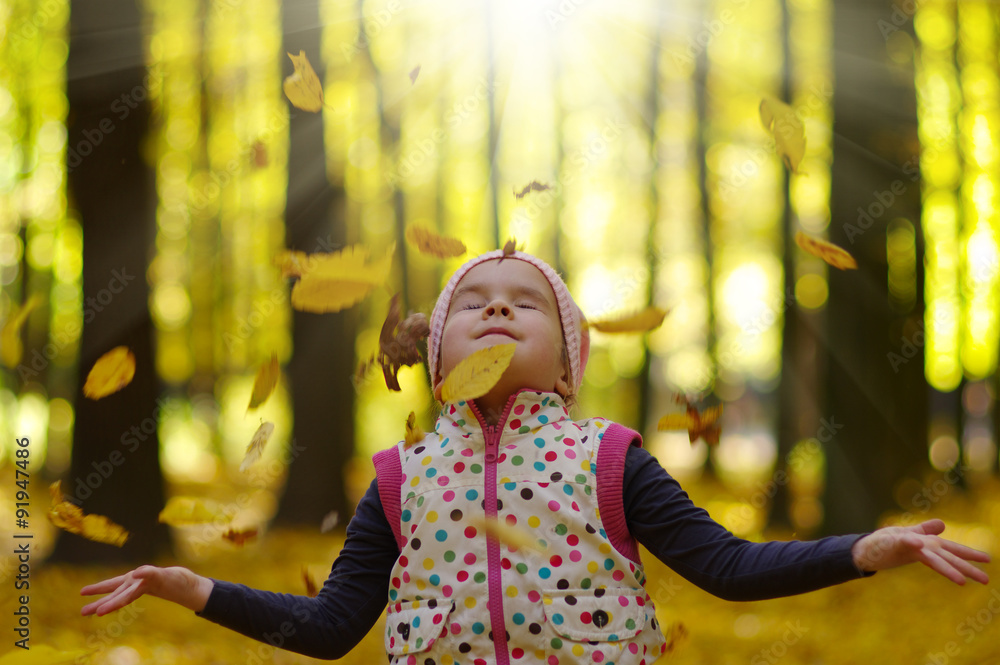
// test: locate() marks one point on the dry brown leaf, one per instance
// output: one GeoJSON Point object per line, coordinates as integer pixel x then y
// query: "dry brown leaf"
{"type": "Point", "coordinates": [187, 510]}
{"type": "Point", "coordinates": [414, 73]}
{"type": "Point", "coordinates": [312, 588]}
{"type": "Point", "coordinates": [833, 255]}
{"type": "Point", "coordinates": [259, 152]}
{"type": "Point", "coordinates": [510, 535]}
{"type": "Point", "coordinates": [264, 382]}
{"type": "Point", "coordinates": [477, 373]}
{"type": "Point", "coordinates": [11, 348]}
{"type": "Point", "coordinates": [704, 424]}
{"type": "Point", "coordinates": [413, 432]}
{"type": "Point", "coordinates": [432, 244]}
{"type": "Point", "coordinates": [397, 342]}
{"type": "Point", "coordinates": [256, 446]}
{"type": "Point", "coordinates": [789, 133]}
{"type": "Point", "coordinates": [509, 248]}
{"type": "Point", "coordinates": [112, 372]}
{"type": "Point", "coordinates": [69, 517]}
{"type": "Point", "coordinates": [533, 186]}
{"type": "Point", "coordinates": [303, 87]}
{"type": "Point", "coordinates": [674, 637]}
{"type": "Point", "coordinates": [240, 536]}
{"type": "Point", "coordinates": [643, 321]}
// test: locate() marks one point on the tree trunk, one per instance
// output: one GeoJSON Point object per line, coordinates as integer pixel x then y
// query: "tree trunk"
{"type": "Point", "coordinates": [322, 364]}
{"type": "Point", "coordinates": [875, 421]}
{"type": "Point", "coordinates": [115, 469]}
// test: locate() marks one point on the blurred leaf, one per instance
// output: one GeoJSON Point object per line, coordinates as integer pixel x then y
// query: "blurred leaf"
{"type": "Point", "coordinates": [256, 446]}
{"type": "Point", "coordinates": [533, 186]}
{"type": "Point", "coordinates": [265, 381]}
{"type": "Point", "coordinates": [414, 73]}
{"type": "Point", "coordinates": [330, 520]}
{"type": "Point", "coordinates": [789, 133]}
{"type": "Point", "coordinates": [69, 517]}
{"type": "Point", "coordinates": [332, 282]}
{"type": "Point", "coordinates": [477, 373]}
{"type": "Point", "coordinates": [112, 372]}
{"type": "Point", "coordinates": [397, 342]}
{"type": "Point", "coordinates": [413, 432]}
{"type": "Point", "coordinates": [703, 424]}
{"type": "Point", "coordinates": [509, 248]}
{"type": "Point", "coordinates": [240, 536]}
{"type": "Point", "coordinates": [835, 256]}
{"type": "Point", "coordinates": [11, 348]}
{"type": "Point", "coordinates": [312, 588]}
{"type": "Point", "coordinates": [510, 535]}
{"type": "Point", "coordinates": [303, 87]}
{"type": "Point", "coordinates": [674, 637]}
{"type": "Point", "coordinates": [644, 321]}
{"type": "Point", "coordinates": [432, 244]}
{"type": "Point", "coordinates": [187, 510]}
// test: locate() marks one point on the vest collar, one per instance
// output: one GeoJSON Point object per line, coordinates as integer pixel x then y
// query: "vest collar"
{"type": "Point", "coordinates": [526, 410]}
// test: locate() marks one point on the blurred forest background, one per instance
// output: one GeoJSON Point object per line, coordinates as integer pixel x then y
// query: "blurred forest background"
{"type": "Point", "coordinates": [151, 169]}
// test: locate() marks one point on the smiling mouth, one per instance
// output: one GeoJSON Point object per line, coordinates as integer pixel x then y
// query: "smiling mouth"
{"type": "Point", "coordinates": [497, 331]}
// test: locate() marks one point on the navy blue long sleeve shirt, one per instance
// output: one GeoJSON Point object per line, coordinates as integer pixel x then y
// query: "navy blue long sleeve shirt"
{"type": "Point", "coordinates": [659, 515]}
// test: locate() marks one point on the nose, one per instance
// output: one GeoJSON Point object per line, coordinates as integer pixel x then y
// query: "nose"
{"type": "Point", "coordinates": [498, 307]}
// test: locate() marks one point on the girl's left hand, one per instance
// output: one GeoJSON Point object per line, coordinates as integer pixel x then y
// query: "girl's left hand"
{"type": "Point", "coordinates": [894, 546]}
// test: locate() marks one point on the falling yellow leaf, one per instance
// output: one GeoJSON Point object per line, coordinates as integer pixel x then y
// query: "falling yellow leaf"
{"type": "Point", "coordinates": [509, 248]}
{"type": "Point", "coordinates": [789, 133]}
{"type": "Point", "coordinates": [644, 321]}
{"type": "Point", "coordinates": [477, 373]}
{"type": "Point", "coordinates": [11, 347]}
{"type": "Point", "coordinates": [332, 282]}
{"type": "Point", "coordinates": [534, 185]}
{"type": "Point", "coordinates": [68, 517]}
{"type": "Point", "coordinates": [835, 256]}
{"type": "Point", "coordinates": [432, 244]}
{"type": "Point", "coordinates": [413, 432]}
{"type": "Point", "coordinates": [264, 383]}
{"type": "Point", "coordinates": [256, 446]}
{"type": "Point", "coordinates": [292, 263]}
{"type": "Point", "coordinates": [509, 534]}
{"type": "Point", "coordinates": [187, 510]}
{"type": "Point", "coordinates": [303, 87]}
{"type": "Point", "coordinates": [414, 73]}
{"type": "Point", "coordinates": [42, 654]}
{"type": "Point", "coordinates": [240, 536]}
{"type": "Point", "coordinates": [704, 424]}
{"type": "Point", "coordinates": [112, 372]}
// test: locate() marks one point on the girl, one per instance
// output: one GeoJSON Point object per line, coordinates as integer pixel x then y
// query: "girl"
{"type": "Point", "coordinates": [585, 491]}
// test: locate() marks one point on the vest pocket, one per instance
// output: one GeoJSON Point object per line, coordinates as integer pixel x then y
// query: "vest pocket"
{"type": "Point", "coordinates": [414, 626]}
{"type": "Point", "coordinates": [602, 615]}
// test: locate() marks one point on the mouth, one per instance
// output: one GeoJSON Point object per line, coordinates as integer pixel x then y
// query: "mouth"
{"type": "Point", "coordinates": [497, 331]}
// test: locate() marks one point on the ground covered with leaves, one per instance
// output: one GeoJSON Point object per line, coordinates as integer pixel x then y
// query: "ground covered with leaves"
{"type": "Point", "coordinates": [907, 616]}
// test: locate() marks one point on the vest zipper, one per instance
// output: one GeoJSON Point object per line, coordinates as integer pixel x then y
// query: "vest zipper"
{"type": "Point", "coordinates": [492, 435]}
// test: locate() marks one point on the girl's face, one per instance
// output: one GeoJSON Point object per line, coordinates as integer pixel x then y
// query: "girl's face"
{"type": "Point", "coordinates": [498, 302]}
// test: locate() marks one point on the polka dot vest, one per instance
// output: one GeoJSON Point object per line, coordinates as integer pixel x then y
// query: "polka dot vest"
{"type": "Point", "coordinates": [546, 584]}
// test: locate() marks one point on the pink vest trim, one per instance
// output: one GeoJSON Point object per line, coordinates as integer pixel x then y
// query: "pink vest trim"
{"type": "Point", "coordinates": [389, 472]}
{"type": "Point", "coordinates": [610, 475]}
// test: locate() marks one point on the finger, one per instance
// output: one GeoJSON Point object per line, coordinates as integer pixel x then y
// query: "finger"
{"type": "Point", "coordinates": [964, 567]}
{"type": "Point", "coordinates": [120, 598]}
{"type": "Point", "coordinates": [102, 587]}
{"type": "Point", "coordinates": [930, 527]}
{"type": "Point", "coordinates": [935, 562]}
{"type": "Point", "coordinates": [965, 552]}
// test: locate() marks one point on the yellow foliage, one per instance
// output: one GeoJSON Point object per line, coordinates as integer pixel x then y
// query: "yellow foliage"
{"type": "Point", "coordinates": [186, 510]}
{"type": "Point", "coordinates": [644, 321]}
{"type": "Point", "coordinates": [42, 654]}
{"type": "Point", "coordinates": [11, 347]}
{"type": "Point", "coordinates": [303, 87]}
{"type": "Point", "coordinates": [264, 382]}
{"type": "Point", "coordinates": [789, 133]}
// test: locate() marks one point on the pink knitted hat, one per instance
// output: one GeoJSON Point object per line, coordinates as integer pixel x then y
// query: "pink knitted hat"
{"type": "Point", "coordinates": [575, 334]}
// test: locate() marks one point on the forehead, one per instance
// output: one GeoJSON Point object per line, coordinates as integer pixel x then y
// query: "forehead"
{"type": "Point", "coordinates": [509, 273]}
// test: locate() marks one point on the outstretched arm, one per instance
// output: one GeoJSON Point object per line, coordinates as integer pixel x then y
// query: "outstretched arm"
{"type": "Point", "coordinates": [327, 626]}
{"type": "Point", "coordinates": [894, 546]}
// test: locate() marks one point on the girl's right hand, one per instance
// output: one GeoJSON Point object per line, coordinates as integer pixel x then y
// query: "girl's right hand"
{"type": "Point", "coordinates": [176, 584]}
